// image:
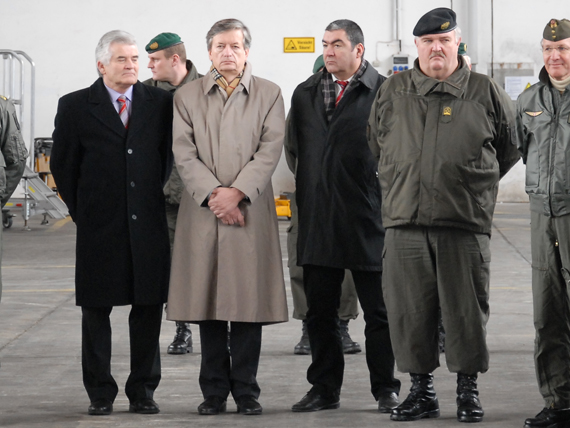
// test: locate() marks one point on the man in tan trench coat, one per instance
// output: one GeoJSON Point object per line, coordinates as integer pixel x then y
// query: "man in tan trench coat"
{"type": "Point", "coordinates": [226, 264]}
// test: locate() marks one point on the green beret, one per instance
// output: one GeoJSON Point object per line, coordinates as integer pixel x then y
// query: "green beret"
{"type": "Point", "coordinates": [557, 30]}
{"type": "Point", "coordinates": [462, 49]}
{"type": "Point", "coordinates": [319, 63]}
{"type": "Point", "coordinates": [163, 41]}
{"type": "Point", "coordinates": [437, 21]}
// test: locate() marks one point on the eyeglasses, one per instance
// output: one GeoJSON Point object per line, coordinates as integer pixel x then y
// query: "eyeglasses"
{"type": "Point", "coordinates": [561, 50]}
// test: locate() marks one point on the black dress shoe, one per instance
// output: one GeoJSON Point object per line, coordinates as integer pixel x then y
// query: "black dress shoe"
{"type": "Point", "coordinates": [420, 403]}
{"type": "Point", "coordinates": [387, 402]}
{"type": "Point", "coordinates": [248, 405]}
{"type": "Point", "coordinates": [145, 406]}
{"type": "Point", "coordinates": [101, 406]}
{"type": "Point", "coordinates": [549, 418]}
{"type": "Point", "coordinates": [314, 401]}
{"type": "Point", "coordinates": [212, 405]}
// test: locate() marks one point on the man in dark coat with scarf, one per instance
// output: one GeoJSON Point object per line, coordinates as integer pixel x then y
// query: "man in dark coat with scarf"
{"type": "Point", "coordinates": [340, 227]}
{"type": "Point", "coordinates": [110, 159]}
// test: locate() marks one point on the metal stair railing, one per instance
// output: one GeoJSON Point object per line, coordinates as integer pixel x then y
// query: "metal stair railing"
{"type": "Point", "coordinates": [38, 196]}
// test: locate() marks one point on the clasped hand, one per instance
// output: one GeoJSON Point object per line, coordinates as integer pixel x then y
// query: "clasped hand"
{"type": "Point", "coordinates": [224, 202]}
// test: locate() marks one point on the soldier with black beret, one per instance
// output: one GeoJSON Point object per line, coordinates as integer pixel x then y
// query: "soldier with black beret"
{"type": "Point", "coordinates": [170, 70]}
{"type": "Point", "coordinates": [543, 125]}
{"type": "Point", "coordinates": [442, 135]}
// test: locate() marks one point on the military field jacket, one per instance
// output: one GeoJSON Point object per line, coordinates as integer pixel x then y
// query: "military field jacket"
{"type": "Point", "coordinates": [543, 125]}
{"type": "Point", "coordinates": [174, 187]}
{"type": "Point", "coordinates": [13, 152]}
{"type": "Point", "coordinates": [442, 147]}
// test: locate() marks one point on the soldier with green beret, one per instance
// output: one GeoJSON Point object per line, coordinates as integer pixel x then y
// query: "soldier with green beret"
{"type": "Point", "coordinates": [543, 126]}
{"type": "Point", "coordinates": [463, 53]}
{"type": "Point", "coordinates": [171, 70]}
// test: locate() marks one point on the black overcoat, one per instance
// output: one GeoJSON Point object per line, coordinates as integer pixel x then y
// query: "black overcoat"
{"type": "Point", "coordinates": [111, 179]}
{"type": "Point", "coordinates": [338, 193]}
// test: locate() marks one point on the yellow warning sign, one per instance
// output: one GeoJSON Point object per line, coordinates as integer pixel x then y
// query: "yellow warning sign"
{"type": "Point", "coordinates": [298, 44]}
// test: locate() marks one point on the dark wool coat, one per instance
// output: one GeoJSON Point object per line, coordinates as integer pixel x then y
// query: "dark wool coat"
{"type": "Point", "coordinates": [111, 179]}
{"type": "Point", "coordinates": [338, 193]}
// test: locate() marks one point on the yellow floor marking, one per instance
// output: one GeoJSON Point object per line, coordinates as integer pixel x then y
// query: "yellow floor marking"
{"type": "Point", "coordinates": [58, 224]}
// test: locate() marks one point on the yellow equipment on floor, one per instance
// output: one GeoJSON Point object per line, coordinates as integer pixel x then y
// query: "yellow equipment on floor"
{"type": "Point", "coordinates": [283, 206]}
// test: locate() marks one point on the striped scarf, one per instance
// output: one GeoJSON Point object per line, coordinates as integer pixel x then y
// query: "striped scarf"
{"type": "Point", "coordinates": [221, 81]}
{"type": "Point", "coordinates": [329, 94]}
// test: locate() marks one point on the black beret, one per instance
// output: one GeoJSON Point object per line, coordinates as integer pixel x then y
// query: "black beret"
{"type": "Point", "coordinates": [437, 21]}
{"type": "Point", "coordinates": [557, 30]}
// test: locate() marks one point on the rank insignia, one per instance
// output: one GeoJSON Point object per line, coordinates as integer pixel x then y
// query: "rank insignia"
{"type": "Point", "coordinates": [447, 111]}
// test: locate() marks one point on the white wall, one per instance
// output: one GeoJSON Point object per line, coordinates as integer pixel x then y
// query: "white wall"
{"type": "Point", "coordinates": [60, 35]}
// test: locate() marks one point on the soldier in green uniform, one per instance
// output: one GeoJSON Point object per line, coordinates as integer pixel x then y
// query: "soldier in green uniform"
{"type": "Point", "coordinates": [171, 70]}
{"type": "Point", "coordinates": [543, 124]}
{"type": "Point", "coordinates": [12, 157]}
{"type": "Point", "coordinates": [444, 137]}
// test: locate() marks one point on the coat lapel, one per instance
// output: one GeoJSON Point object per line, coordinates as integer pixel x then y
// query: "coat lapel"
{"type": "Point", "coordinates": [313, 86]}
{"type": "Point", "coordinates": [143, 106]}
{"type": "Point", "coordinates": [102, 108]}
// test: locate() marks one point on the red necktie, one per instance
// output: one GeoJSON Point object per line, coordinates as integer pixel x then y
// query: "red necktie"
{"type": "Point", "coordinates": [343, 84]}
{"type": "Point", "coordinates": [123, 112]}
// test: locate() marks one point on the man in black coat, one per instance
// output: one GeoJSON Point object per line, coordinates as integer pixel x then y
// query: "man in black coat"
{"type": "Point", "coordinates": [110, 159]}
{"type": "Point", "coordinates": [340, 227]}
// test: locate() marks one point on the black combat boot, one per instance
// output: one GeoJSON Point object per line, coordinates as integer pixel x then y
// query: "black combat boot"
{"type": "Point", "coordinates": [303, 347]}
{"type": "Point", "coordinates": [182, 343]}
{"type": "Point", "coordinates": [468, 405]}
{"type": "Point", "coordinates": [549, 418]}
{"type": "Point", "coordinates": [349, 346]}
{"type": "Point", "coordinates": [420, 403]}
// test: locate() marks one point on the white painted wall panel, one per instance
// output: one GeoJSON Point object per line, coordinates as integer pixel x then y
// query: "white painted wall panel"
{"type": "Point", "coordinates": [60, 35]}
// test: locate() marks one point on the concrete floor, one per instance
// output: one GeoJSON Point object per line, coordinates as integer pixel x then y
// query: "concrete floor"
{"type": "Point", "coordinates": [40, 375]}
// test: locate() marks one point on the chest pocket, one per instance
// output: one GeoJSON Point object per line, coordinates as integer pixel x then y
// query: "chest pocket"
{"type": "Point", "coordinates": [536, 123]}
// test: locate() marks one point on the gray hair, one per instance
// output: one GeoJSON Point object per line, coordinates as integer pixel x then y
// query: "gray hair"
{"type": "Point", "coordinates": [353, 31]}
{"type": "Point", "coordinates": [103, 51]}
{"type": "Point", "coordinates": [228, 25]}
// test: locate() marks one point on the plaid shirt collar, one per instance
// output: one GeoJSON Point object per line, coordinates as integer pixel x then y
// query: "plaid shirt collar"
{"type": "Point", "coordinates": [329, 93]}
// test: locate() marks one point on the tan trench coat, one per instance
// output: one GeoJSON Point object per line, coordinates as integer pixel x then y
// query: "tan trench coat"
{"type": "Point", "coordinates": [222, 272]}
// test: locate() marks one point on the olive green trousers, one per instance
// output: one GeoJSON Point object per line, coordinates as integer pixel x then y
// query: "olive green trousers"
{"type": "Point", "coordinates": [550, 247]}
{"type": "Point", "coordinates": [427, 268]}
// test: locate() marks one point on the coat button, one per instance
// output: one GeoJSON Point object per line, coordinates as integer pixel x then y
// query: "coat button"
{"type": "Point", "coordinates": [134, 217]}
{"type": "Point", "coordinates": [130, 151]}
{"type": "Point", "coordinates": [132, 184]}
